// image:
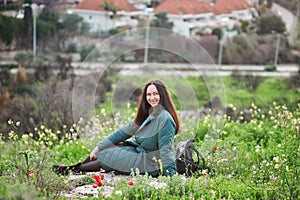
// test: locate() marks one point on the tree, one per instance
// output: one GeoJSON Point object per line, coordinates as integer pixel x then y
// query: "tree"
{"type": "Point", "coordinates": [218, 32]}
{"type": "Point", "coordinates": [27, 40]}
{"type": "Point", "coordinates": [161, 20]}
{"type": "Point", "coordinates": [10, 29]}
{"type": "Point", "coordinates": [240, 50]}
{"type": "Point", "coordinates": [57, 27]}
{"type": "Point", "coordinates": [269, 23]}
{"type": "Point", "coordinates": [69, 25]}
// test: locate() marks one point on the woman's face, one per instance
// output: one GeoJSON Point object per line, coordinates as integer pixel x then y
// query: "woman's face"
{"type": "Point", "coordinates": [152, 95]}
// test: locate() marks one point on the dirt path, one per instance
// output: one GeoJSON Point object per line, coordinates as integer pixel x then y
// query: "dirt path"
{"type": "Point", "coordinates": [84, 191]}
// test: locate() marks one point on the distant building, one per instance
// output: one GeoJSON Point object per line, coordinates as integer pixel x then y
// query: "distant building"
{"type": "Point", "coordinates": [192, 16]}
{"type": "Point", "coordinates": [104, 15]}
{"type": "Point", "coordinates": [189, 17]}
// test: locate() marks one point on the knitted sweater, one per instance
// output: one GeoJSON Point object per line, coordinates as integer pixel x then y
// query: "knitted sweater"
{"type": "Point", "coordinates": [148, 149]}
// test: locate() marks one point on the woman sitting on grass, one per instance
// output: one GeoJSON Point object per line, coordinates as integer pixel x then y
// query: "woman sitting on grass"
{"type": "Point", "coordinates": [144, 145]}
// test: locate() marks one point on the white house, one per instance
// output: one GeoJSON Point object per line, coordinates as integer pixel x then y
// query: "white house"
{"type": "Point", "coordinates": [229, 12]}
{"type": "Point", "coordinates": [188, 16]}
{"type": "Point", "coordinates": [103, 15]}
{"type": "Point", "coordinates": [192, 16]}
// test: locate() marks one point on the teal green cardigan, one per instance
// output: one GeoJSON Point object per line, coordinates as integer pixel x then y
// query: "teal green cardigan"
{"type": "Point", "coordinates": [149, 149]}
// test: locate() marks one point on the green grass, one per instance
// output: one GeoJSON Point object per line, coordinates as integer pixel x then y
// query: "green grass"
{"type": "Point", "coordinates": [276, 90]}
{"type": "Point", "coordinates": [257, 159]}
{"type": "Point", "coordinates": [185, 91]}
{"type": "Point", "coordinates": [240, 95]}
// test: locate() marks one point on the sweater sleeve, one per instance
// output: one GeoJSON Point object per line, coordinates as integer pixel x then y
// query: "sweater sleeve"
{"type": "Point", "coordinates": [118, 136]}
{"type": "Point", "coordinates": [166, 147]}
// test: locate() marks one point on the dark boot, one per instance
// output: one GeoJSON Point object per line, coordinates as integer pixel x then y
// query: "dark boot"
{"type": "Point", "coordinates": [60, 170]}
{"type": "Point", "coordinates": [76, 170]}
{"type": "Point", "coordinates": [65, 170]}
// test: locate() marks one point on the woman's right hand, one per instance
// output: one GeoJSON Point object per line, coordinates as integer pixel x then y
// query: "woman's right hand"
{"type": "Point", "coordinates": [93, 153]}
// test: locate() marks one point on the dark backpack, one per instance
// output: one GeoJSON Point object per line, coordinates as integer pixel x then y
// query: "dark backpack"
{"type": "Point", "coordinates": [184, 158]}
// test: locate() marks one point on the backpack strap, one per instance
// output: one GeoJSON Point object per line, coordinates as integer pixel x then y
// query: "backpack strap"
{"type": "Point", "coordinates": [199, 155]}
{"type": "Point", "coordinates": [184, 157]}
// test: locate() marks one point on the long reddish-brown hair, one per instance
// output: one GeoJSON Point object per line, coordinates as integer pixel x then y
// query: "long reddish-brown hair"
{"type": "Point", "coordinates": [165, 101]}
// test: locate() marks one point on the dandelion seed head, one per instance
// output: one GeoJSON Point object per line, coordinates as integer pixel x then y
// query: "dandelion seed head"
{"type": "Point", "coordinates": [118, 192]}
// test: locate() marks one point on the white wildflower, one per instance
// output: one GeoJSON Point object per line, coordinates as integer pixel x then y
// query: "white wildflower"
{"type": "Point", "coordinates": [158, 185]}
{"type": "Point", "coordinates": [10, 122]}
{"type": "Point", "coordinates": [276, 159]}
{"type": "Point", "coordinates": [204, 172]}
{"type": "Point", "coordinates": [183, 178]}
{"type": "Point", "coordinates": [257, 148]}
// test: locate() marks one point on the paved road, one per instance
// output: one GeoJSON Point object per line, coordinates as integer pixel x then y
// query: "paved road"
{"type": "Point", "coordinates": [178, 69]}
{"type": "Point", "coordinates": [288, 18]}
{"type": "Point", "coordinates": [187, 73]}
{"type": "Point", "coordinates": [188, 70]}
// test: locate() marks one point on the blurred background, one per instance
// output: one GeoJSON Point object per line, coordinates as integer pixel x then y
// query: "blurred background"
{"type": "Point", "coordinates": [45, 45]}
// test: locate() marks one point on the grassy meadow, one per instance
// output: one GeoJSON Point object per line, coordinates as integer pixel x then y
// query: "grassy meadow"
{"type": "Point", "coordinates": [253, 158]}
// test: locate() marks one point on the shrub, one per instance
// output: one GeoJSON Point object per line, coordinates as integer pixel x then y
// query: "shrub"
{"type": "Point", "coordinates": [89, 50]}
{"type": "Point", "coordinates": [270, 68]}
{"type": "Point", "coordinates": [218, 32]}
{"type": "Point", "coordinates": [114, 31]}
{"type": "Point", "coordinates": [72, 48]}
{"type": "Point", "coordinates": [24, 58]}
{"type": "Point", "coordinates": [21, 76]}
{"type": "Point", "coordinates": [270, 22]}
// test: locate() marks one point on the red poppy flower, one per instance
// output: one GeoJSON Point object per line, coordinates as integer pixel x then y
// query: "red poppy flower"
{"type": "Point", "coordinates": [95, 185]}
{"type": "Point", "coordinates": [97, 178]}
{"type": "Point", "coordinates": [31, 172]}
{"type": "Point", "coordinates": [130, 182]}
{"type": "Point", "coordinates": [102, 176]}
{"type": "Point", "coordinates": [215, 148]}
{"type": "Point", "coordinates": [99, 184]}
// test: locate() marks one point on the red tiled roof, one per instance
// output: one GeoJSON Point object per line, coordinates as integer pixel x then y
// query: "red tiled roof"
{"type": "Point", "coordinates": [178, 7]}
{"type": "Point", "coordinates": [227, 6]}
{"type": "Point", "coordinates": [181, 7]}
{"type": "Point", "coordinates": [98, 5]}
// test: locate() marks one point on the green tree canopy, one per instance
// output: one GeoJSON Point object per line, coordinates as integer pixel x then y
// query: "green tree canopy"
{"type": "Point", "coordinates": [218, 32]}
{"type": "Point", "coordinates": [161, 20]}
{"type": "Point", "coordinates": [270, 23]}
{"type": "Point", "coordinates": [9, 28]}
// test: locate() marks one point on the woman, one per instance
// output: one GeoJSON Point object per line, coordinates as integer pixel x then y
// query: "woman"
{"type": "Point", "coordinates": [145, 144]}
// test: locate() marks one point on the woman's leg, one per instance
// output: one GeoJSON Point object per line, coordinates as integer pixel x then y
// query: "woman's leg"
{"type": "Point", "coordinates": [92, 166]}
{"type": "Point", "coordinates": [86, 166]}
{"type": "Point", "coordinates": [86, 160]}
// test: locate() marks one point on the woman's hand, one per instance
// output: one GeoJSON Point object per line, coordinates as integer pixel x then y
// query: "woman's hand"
{"type": "Point", "coordinates": [93, 153]}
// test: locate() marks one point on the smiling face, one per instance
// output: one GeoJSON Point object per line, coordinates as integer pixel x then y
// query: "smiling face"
{"type": "Point", "coordinates": [152, 95]}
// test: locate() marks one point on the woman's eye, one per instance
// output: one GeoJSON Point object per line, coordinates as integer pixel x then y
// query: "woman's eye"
{"type": "Point", "coordinates": [153, 94]}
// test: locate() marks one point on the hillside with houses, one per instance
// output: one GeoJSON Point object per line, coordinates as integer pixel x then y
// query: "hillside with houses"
{"type": "Point", "coordinates": [72, 73]}
{"type": "Point", "coordinates": [189, 17]}
{"type": "Point", "coordinates": [220, 26]}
